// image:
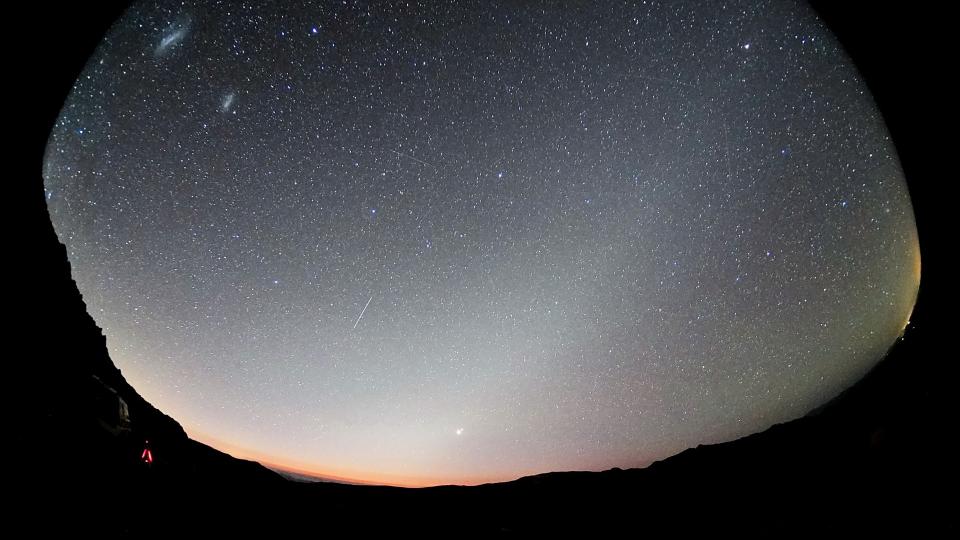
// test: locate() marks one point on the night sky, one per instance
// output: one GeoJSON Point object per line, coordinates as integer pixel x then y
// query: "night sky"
{"type": "Point", "coordinates": [456, 243]}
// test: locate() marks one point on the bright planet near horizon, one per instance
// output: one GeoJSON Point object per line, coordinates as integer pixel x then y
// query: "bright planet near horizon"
{"type": "Point", "coordinates": [430, 243]}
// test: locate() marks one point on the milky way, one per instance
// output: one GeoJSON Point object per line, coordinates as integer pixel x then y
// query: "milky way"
{"type": "Point", "coordinates": [434, 243]}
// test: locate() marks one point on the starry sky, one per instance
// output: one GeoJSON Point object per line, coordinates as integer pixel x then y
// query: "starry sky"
{"type": "Point", "coordinates": [424, 243]}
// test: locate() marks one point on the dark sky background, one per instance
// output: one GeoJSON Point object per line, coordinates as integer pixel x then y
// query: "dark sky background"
{"type": "Point", "coordinates": [436, 243]}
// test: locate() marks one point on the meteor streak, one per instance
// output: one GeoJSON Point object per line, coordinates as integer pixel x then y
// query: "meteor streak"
{"type": "Point", "coordinates": [361, 313]}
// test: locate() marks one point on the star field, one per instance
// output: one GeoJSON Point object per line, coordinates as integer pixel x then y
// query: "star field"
{"type": "Point", "coordinates": [455, 243]}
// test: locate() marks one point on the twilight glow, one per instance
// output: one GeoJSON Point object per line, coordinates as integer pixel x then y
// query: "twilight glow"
{"type": "Point", "coordinates": [450, 243]}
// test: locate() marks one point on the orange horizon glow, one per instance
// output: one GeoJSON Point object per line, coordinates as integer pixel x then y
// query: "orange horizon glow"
{"type": "Point", "coordinates": [334, 474]}
{"type": "Point", "coordinates": [914, 291]}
